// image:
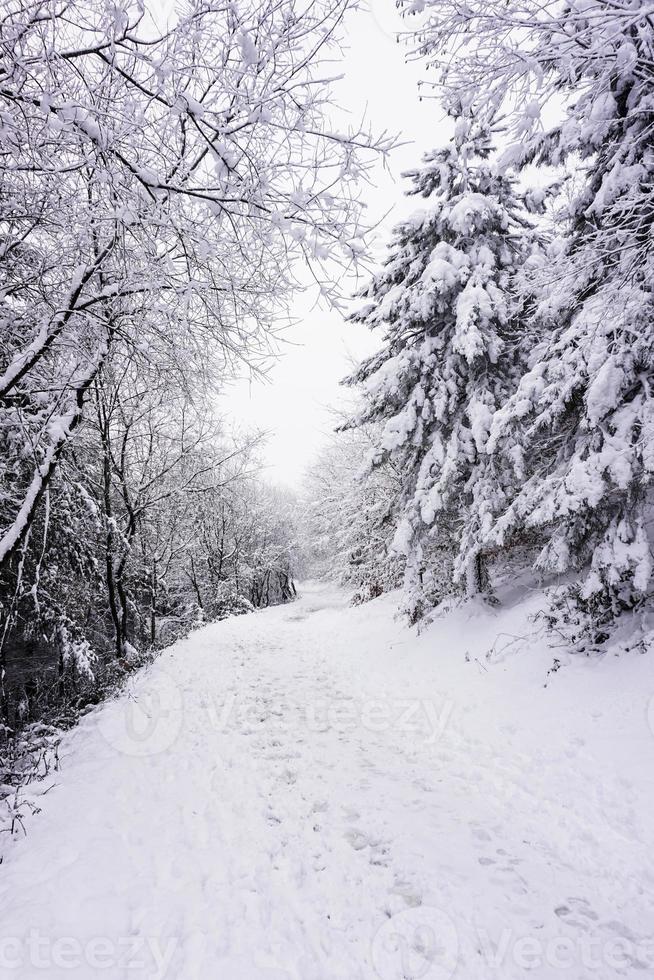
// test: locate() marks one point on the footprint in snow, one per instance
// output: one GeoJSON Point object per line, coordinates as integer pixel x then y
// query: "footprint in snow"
{"type": "Point", "coordinates": [357, 839]}
{"type": "Point", "coordinates": [408, 892]}
{"type": "Point", "coordinates": [576, 912]}
{"type": "Point", "coordinates": [379, 856]}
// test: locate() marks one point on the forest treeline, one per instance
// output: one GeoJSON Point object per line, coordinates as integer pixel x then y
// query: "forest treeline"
{"type": "Point", "coordinates": [507, 418]}
{"type": "Point", "coordinates": [159, 186]}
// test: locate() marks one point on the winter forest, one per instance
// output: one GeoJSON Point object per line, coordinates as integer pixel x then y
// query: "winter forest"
{"type": "Point", "coordinates": [176, 183]}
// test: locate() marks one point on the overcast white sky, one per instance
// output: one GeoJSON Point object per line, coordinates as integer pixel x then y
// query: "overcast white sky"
{"type": "Point", "coordinates": [293, 404]}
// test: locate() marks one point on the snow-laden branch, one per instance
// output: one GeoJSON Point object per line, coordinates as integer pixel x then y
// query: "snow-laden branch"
{"type": "Point", "coordinates": [59, 431]}
{"type": "Point", "coordinates": [23, 361]}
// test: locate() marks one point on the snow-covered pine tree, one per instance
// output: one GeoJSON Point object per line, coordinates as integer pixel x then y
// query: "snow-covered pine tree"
{"type": "Point", "coordinates": [449, 360]}
{"type": "Point", "coordinates": [580, 427]}
{"type": "Point", "coordinates": [349, 519]}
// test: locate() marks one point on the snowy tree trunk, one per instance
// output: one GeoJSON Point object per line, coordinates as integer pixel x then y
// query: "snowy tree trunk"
{"type": "Point", "coordinates": [477, 578]}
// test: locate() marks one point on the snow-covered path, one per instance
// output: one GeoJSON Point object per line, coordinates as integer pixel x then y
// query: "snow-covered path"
{"type": "Point", "coordinates": [313, 793]}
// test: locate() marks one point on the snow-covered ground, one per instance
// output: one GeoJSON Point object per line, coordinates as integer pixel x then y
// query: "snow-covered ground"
{"type": "Point", "coordinates": [315, 793]}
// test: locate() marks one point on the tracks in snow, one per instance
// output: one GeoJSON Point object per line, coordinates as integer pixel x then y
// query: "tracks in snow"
{"type": "Point", "coordinates": [286, 796]}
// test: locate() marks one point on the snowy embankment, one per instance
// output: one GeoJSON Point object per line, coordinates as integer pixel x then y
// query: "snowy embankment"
{"type": "Point", "coordinates": [314, 793]}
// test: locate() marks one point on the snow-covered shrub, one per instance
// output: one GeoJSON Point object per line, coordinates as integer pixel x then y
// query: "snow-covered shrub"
{"type": "Point", "coordinates": [230, 603]}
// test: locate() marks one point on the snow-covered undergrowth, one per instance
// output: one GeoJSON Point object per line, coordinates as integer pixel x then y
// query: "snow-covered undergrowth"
{"type": "Point", "coordinates": [314, 792]}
